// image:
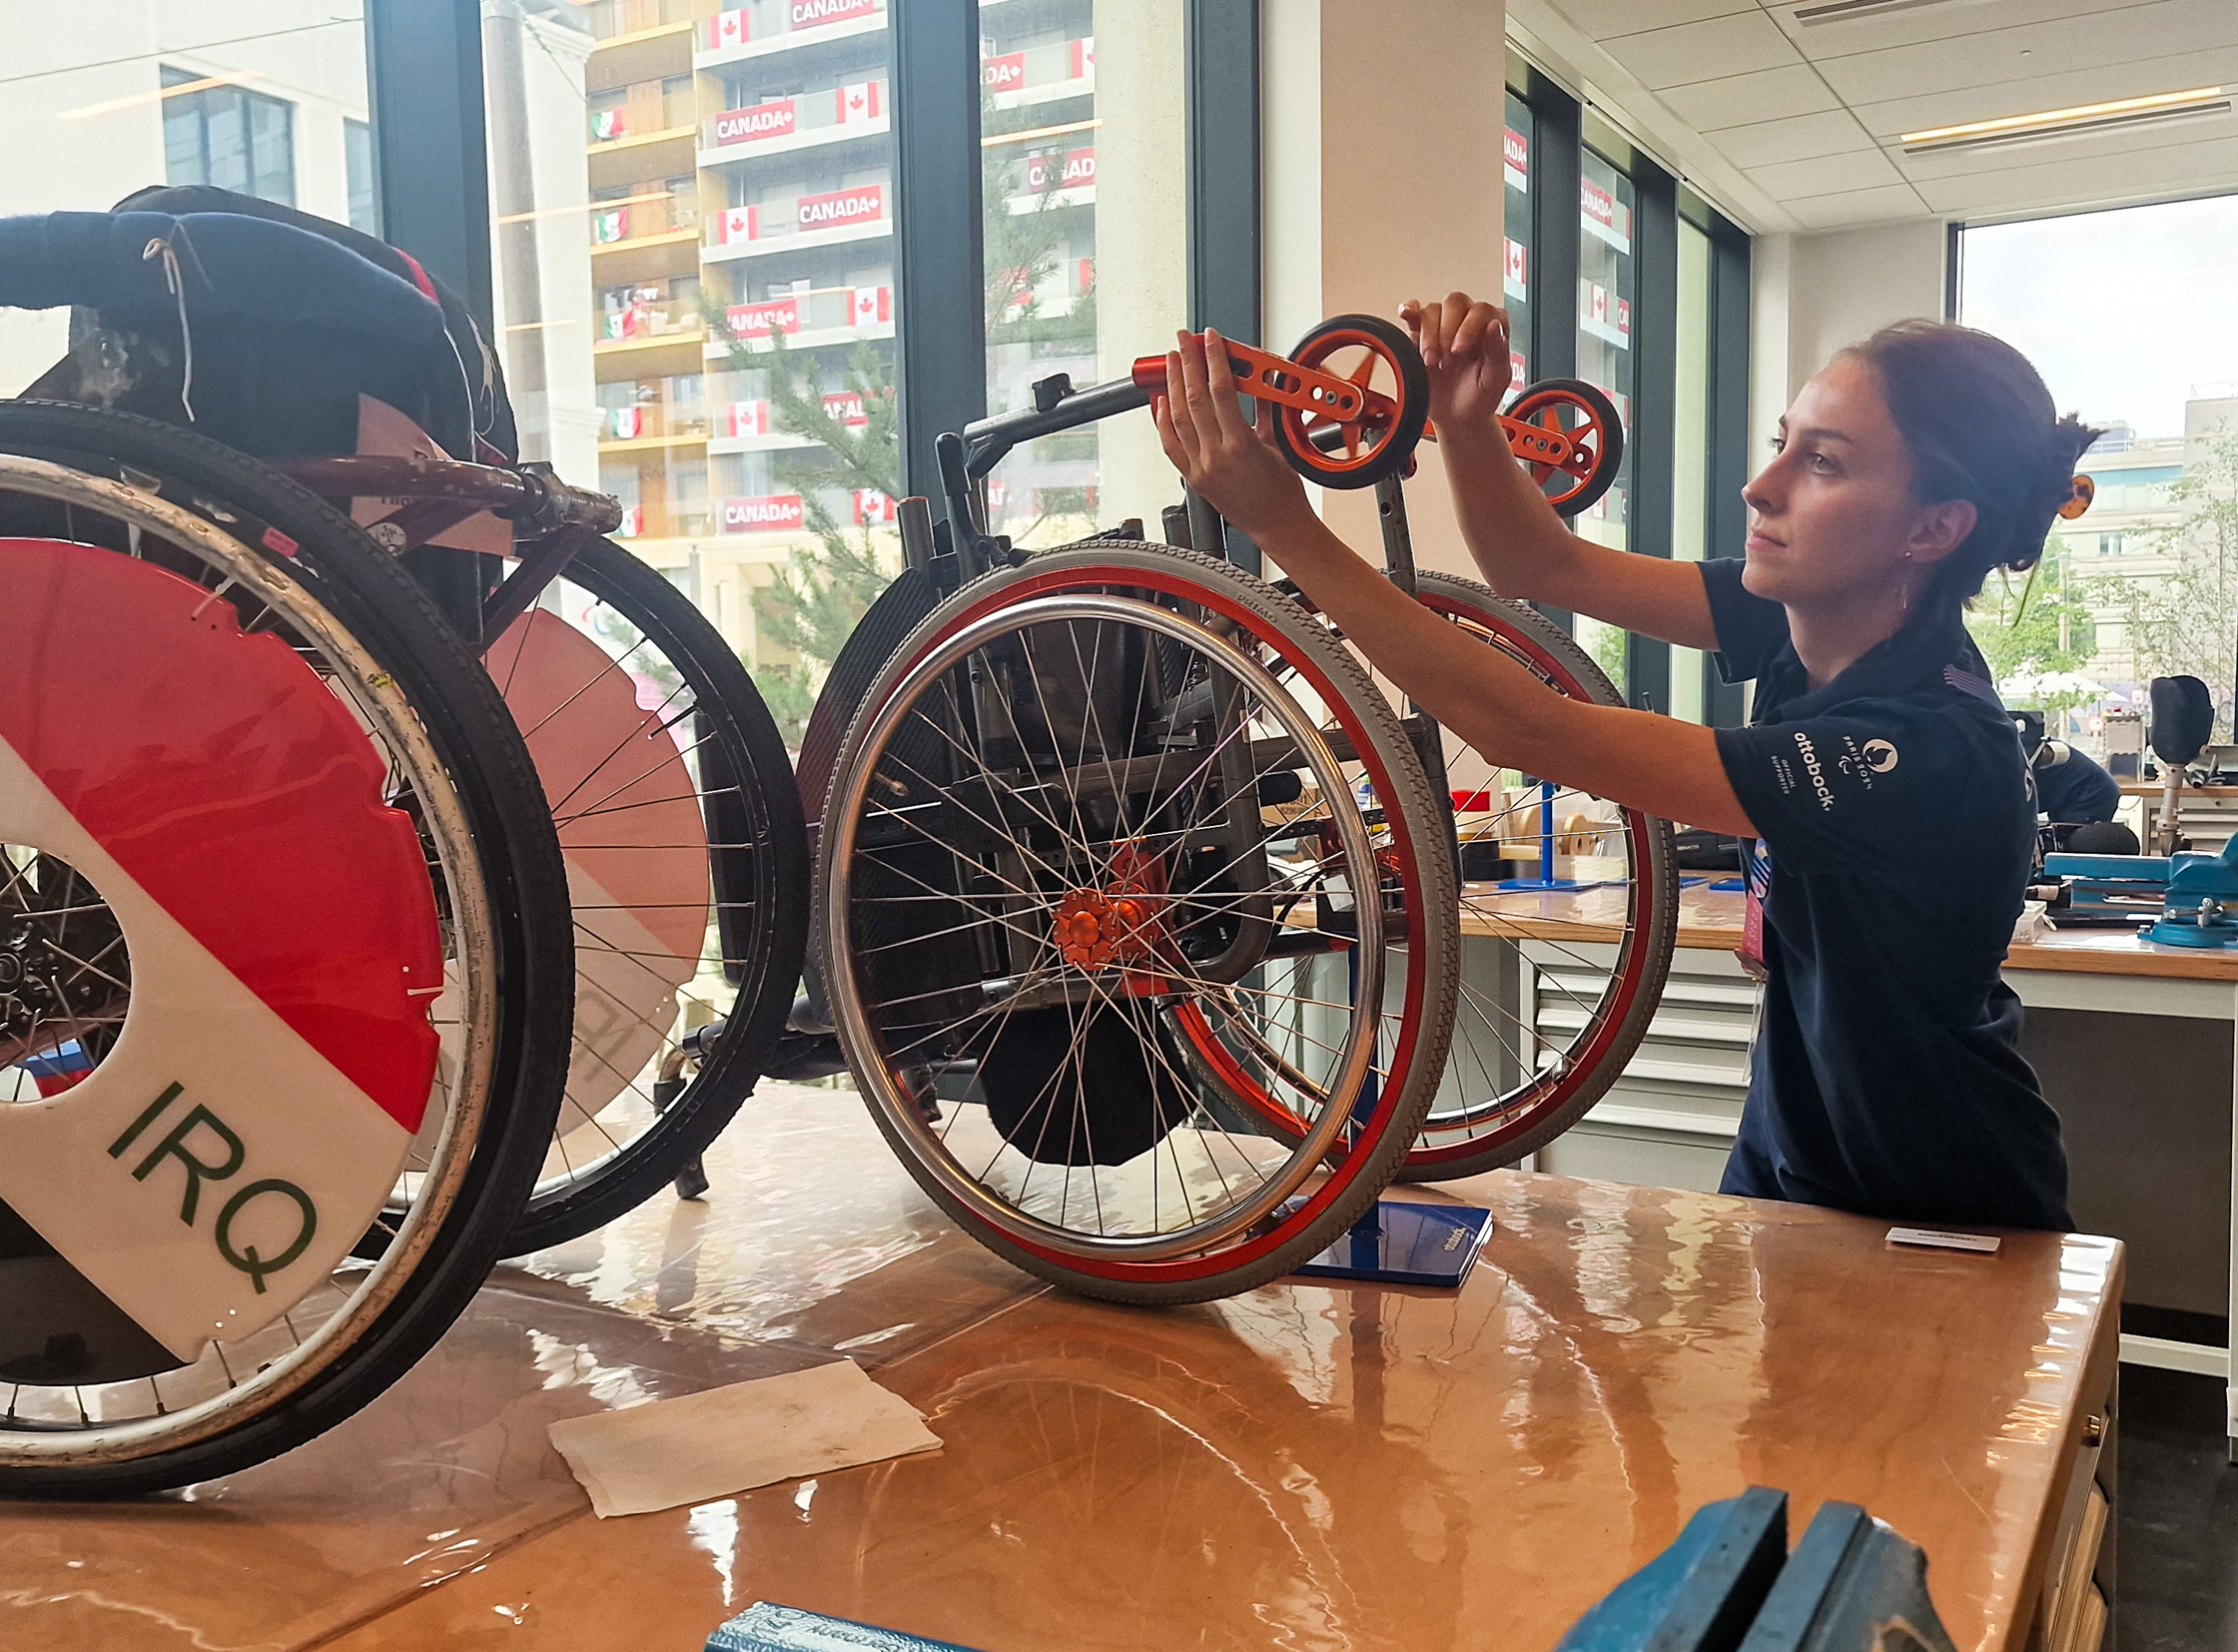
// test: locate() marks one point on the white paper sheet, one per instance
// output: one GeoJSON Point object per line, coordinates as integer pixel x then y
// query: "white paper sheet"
{"type": "Point", "coordinates": [674, 1452]}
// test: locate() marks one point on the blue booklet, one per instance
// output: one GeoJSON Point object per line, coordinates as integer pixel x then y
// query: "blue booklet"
{"type": "Point", "coordinates": [766, 1627]}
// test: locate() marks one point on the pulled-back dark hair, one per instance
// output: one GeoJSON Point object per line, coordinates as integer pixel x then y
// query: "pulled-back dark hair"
{"type": "Point", "coordinates": [1980, 425]}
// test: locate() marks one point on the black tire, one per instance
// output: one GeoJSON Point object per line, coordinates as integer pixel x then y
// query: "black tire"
{"type": "Point", "coordinates": [1604, 412]}
{"type": "Point", "coordinates": [482, 754]}
{"type": "Point", "coordinates": [1396, 450]}
{"type": "Point", "coordinates": [768, 867]}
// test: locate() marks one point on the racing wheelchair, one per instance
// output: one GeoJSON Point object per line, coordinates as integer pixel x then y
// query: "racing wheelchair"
{"type": "Point", "coordinates": [1139, 898]}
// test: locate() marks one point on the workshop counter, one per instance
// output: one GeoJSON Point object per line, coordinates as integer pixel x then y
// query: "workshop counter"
{"type": "Point", "coordinates": [2132, 1041]}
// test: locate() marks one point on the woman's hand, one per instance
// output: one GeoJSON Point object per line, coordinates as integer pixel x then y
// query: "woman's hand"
{"type": "Point", "coordinates": [1464, 343]}
{"type": "Point", "coordinates": [1237, 468]}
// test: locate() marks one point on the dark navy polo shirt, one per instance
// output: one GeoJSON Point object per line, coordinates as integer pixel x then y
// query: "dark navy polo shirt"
{"type": "Point", "coordinates": [1894, 807]}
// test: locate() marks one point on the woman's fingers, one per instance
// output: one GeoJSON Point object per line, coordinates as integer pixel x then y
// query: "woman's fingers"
{"type": "Point", "coordinates": [1479, 325]}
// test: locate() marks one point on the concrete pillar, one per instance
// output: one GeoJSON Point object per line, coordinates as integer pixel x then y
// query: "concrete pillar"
{"type": "Point", "coordinates": [1141, 251]}
{"type": "Point", "coordinates": [1382, 182]}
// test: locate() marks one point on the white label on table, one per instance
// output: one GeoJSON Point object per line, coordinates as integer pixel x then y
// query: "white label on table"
{"type": "Point", "coordinates": [1940, 1240]}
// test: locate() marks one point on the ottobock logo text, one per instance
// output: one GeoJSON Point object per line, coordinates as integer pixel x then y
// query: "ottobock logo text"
{"type": "Point", "coordinates": [1811, 767]}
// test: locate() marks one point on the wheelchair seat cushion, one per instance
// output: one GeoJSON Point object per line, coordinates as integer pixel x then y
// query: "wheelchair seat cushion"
{"type": "Point", "coordinates": [259, 334]}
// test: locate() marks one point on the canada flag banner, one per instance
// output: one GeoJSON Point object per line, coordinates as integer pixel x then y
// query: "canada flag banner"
{"type": "Point", "coordinates": [738, 224]}
{"type": "Point", "coordinates": [1518, 372]}
{"type": "Point", "coordinates": [726, 30]}
{"type": "Point", "coordinates": [1624, 316]}
{"type": "Point", "coordinates": [1084, 58]}
{"type": "Point", "coordinates": [862, 102]}
{"type": "Point", "coordinates": [1515, 156]}
{"type": "Point", "coordinates": [762, 514]}
{"type": "Point", "coordinates": [847, 407]}
{"type": "Point", "coordinates": [872, 509]}
{"type": "Point", "coordinates": [759, 321]}
{"type": "Point", "coordinates": [1077, 171]}
{"type": "Point", "coordinates": [777, 119]}
{"type": "Point", "coordinates": [814, 14]}
{"type": "Point", "coordinates": [608, 124]}
{"type": "Point", "coordinates": [872, 306]}
{"type": "Point", "coordinates": [745, 418]}
{"type": "Point", "coordinates": [862, 204]}
{"type": "Point", "coordinates": [1514, 276]}
{"type": "Point", "coordinates": [1004, 74]}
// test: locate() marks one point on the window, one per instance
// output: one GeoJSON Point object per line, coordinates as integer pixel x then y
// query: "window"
{"type": "Point", "coordinates": [226, 136]}
{"type": "Point", "coordinates": [267, 113]}
{"type": "Point", "coordinates": [358, 163]}
{"type": "Point", "coordinates": [1515, 273]}
{"type": "Point", "coordinates": [2141, 585]}
{"type": "Point", "coordinates": [1606, 294]}
{"type": "Point", "coordinates": [1047, 212]}
{"type": "Point", "coordinates": [725, 360]}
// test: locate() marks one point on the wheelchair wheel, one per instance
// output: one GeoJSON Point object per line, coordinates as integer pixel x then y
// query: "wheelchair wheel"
{"type": "Point", "coordinates": [1512, 1086]}
{"type": "Point", "coordinates": [1104, 814]}
{"type": "Point", "coordinates": [286, 921]}
{"type": "Point", "coordinates": [1585, 415]}
{"type": "Point", "coordinates": [1383, 361]}
{"type": "Point", "coordinates": [688, 866]}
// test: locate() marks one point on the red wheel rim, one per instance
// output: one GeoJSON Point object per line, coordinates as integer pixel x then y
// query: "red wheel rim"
{"type": "Point", "coordinates": [1513, 1117]}
{"type": "Point", "coordinates": [1364, 438]}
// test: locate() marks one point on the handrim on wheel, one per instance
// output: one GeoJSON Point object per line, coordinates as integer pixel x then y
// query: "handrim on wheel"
{"type": "Point", "coordinates": [1077, 804]}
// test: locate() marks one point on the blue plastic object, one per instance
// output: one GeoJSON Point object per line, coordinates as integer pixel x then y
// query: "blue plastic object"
{"type": "Point", "coordinates": [768, 1627]}
{"type": "Point", "coordinates": [1700, 1594]}
{"type": "Point", "coordinates": [1410, 1243]}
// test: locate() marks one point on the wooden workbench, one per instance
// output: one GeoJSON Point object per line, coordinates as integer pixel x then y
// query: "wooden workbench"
{"type": "Point", "coordinates": [1711, 919]}
{"type": "Point", "coordinates": [2156, 1179]}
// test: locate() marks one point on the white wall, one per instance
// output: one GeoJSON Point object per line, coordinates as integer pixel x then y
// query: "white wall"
{"type": "Point", "coordinates": [1815, 294]}
{"type": "Point", "coordinates": [1374, 192]}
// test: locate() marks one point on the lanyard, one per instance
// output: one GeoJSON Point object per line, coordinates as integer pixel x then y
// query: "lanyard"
{"type": "Point", "coordinates": [1758, 871]}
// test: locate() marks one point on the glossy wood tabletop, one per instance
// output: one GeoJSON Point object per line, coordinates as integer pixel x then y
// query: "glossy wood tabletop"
{"type": "Point", "coordinates": [1307, 1466]}
{"type": "Point", "coordinates": [1711, 919]}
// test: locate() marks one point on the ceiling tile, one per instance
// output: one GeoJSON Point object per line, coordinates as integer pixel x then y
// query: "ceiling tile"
{"type": "Point", "coordinates": [2177, 169]}
{"type": "Point", "coordinates": [1797, 137]}
{"type": "Point", "coordinates": [2094, 41]}
{"type": "Point", "coordinates": [1716, 49]}
{"type": "Point", "coordinates": [1606, 19]}
{"type": "Point", "coordinates": [1771, 95]}
{"type": "Point", "coordinates": [1792, 181]}
{"type": "Point", "coordinates": [2113, 79]}
{"type": "Point", "coordinates": [1884, 205]}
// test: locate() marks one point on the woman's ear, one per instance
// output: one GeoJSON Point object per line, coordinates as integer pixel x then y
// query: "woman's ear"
{"type": "Point", "coordinates": [1939, 530]}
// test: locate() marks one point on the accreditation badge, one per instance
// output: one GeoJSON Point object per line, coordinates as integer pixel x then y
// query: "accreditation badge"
{"type": "Point", "coordinates": [1757, 863]}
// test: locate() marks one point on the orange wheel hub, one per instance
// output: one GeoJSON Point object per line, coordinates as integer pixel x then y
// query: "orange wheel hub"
{"type": "Point", "coordinates": [1092, 930]}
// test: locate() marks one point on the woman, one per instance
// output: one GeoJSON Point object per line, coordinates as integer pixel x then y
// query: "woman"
{"type": "Point", "coordinates": [1880, 776]}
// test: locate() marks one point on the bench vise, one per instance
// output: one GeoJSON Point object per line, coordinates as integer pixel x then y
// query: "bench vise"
{"type": "Point", "coordinates": [2192, 898]}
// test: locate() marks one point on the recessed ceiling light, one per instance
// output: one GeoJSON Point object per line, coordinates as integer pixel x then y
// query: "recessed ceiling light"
{"type": "Point", "coordinates": [2087, 117]}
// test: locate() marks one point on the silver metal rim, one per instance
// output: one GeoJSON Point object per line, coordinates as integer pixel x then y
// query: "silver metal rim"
{"type": "Point", "coordinates": [851, 1016]}
{"type": "Point", "coordinates": [377, 696]}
